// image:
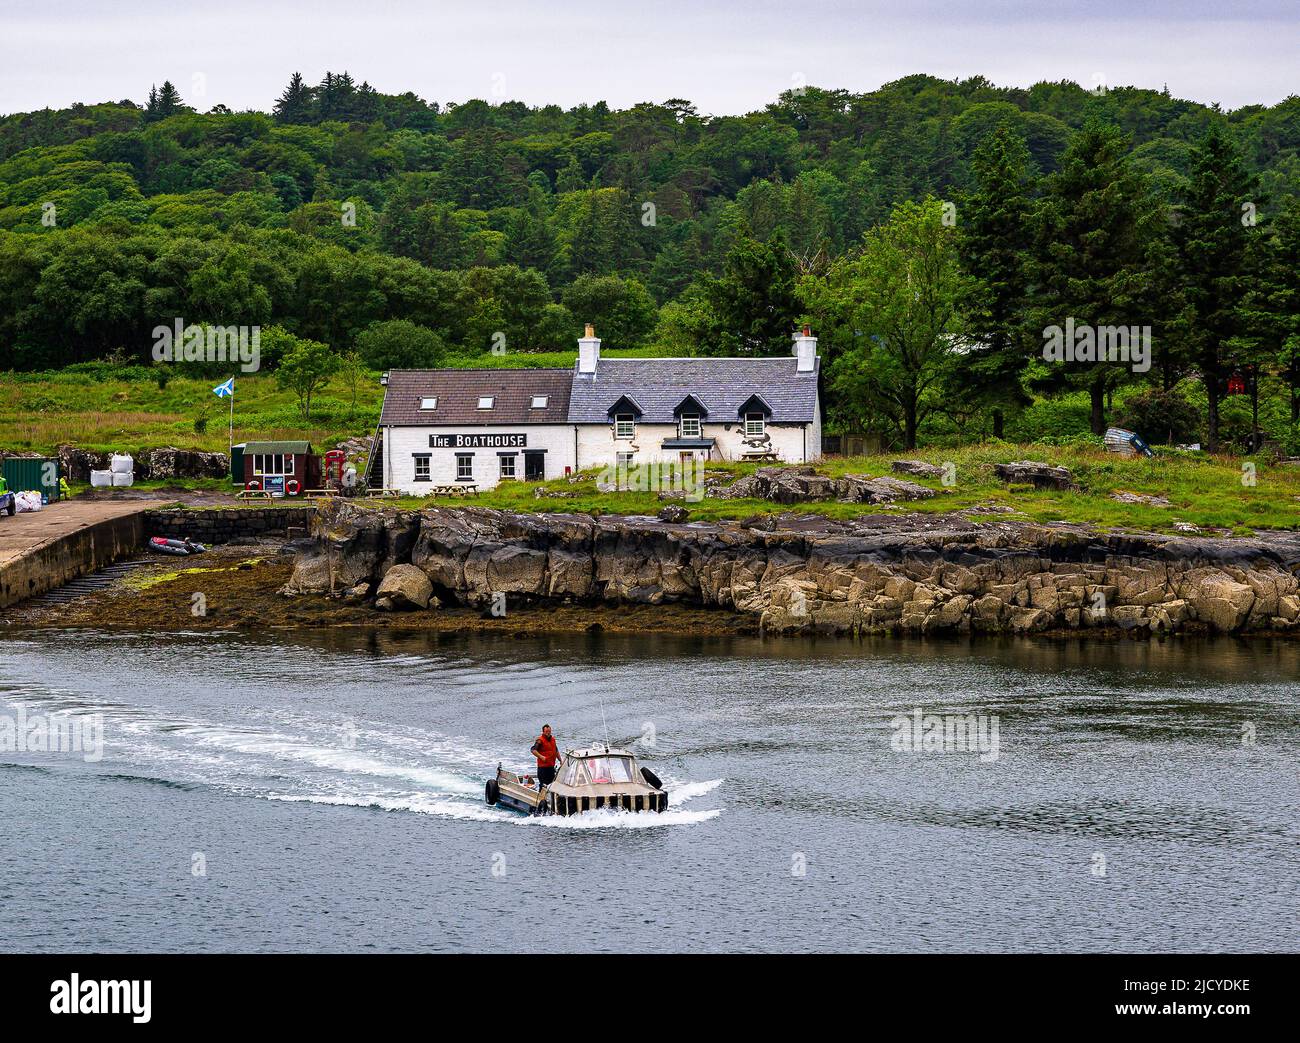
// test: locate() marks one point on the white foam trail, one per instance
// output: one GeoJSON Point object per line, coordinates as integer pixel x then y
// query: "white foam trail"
{"type": "Point", "coordinates": [607, 819]}
{"type": "Point", "coordinates": [261, 759]}
{"type": "Point", "coordinates": [680, 793]}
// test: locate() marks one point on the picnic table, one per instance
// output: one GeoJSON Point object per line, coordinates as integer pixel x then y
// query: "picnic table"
{"type": "Point", "coordinates": [254, 494]}
{"type": "Point", "coordinates": [391, 493]}
{"type": "Point", "coordinates": [458, 489]}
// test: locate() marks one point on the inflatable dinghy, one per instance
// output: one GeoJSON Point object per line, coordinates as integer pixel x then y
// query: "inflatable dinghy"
{"type": "Point", "coordinates": [179, 547]}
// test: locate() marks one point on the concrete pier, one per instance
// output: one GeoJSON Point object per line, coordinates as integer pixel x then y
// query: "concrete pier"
{"type": "Point", "coordinates": [47, 548]}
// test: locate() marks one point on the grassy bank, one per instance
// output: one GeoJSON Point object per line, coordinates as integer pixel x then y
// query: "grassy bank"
{"type": "Point", "coordinates": [123, 408]}
{"type": "Point", "coordinates": [1203, 490]}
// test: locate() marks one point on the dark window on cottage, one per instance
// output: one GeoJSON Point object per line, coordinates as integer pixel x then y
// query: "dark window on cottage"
{"type": "Point", "coordinates": [507, 466]}
{"type": "Point", "coordinates": [423, 467]}
{"type": "Point", "coordinates": [464, 467]}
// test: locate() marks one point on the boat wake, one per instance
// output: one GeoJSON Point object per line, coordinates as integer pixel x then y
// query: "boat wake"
{"type": "Point", "coordinates": [303, 759]}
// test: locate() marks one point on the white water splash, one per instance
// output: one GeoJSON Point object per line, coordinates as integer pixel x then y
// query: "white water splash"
{"type": "Point", "coordinates": [298, 758]}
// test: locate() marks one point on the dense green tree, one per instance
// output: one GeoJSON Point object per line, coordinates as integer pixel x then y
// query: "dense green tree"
{"type": "Point", "coordinates": [896, 310]}
{"type": "Point", "coordinates": [994, 242]}
{"type": "Point", "coordinates": [399, 344]}
{"type": "Point", "coordinates": [1093, 227]}
{"type": "Point", "coordinates": [1211, 234]}
{"type": "Point", "coordinates": [753, 306]}
{"type": "Point", "coordinates": [622, 310]}
{"type": "Point", "coordinates": [163, 102]}
{"type": "Point", "coordinates": [304, 370]}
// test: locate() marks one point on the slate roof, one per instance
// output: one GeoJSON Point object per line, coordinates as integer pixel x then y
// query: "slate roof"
{"type": "Point", "coordinates": [458, 392]}
{"type": "Point", "coordinates": [723, 385]}
{"type": "Point", "coordinates": [285, 448]}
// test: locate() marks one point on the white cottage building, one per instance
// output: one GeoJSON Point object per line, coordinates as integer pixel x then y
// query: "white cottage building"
{"type": "Point", "coordinates": [447, 427]}
{"type": "Point", "coordinates": [452, 427]}
{"type": "Point", "coordinates": [653, 410]}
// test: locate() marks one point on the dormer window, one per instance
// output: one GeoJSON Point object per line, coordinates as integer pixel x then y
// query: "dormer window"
{"type": "Point", "coordinates": [539, 401]}
{"type": "Point", "coordinates": [486, 401]}
{"type": "Point", "coordinates": [755, 424]}
{"type": "Point", "coordinates": [429, 403]}
{"type": "Point", "coordinates": [688, 425]}
{"type": "Point", "coordinates": [624, 425]}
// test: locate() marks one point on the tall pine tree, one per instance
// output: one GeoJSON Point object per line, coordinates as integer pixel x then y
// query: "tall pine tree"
{"type": "Point", "coordinates": [295, 104]}
{"type": "Point", "coordinates": [1211, 237]}
{"type": "Point", "coordinates": [1091, 243]}
{"type": "Point", "coordinates": [994, 240]}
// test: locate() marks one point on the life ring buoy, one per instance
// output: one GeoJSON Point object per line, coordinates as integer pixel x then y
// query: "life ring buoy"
{"type": "Point", "coordinates": [253, 485]}
{"type": "Point", "coordinates": [292, 486]}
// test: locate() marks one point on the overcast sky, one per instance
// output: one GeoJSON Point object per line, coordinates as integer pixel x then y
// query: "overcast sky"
{"type": "Point", "coordinates": [727, 57]}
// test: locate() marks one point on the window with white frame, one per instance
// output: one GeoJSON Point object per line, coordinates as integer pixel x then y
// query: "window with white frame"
{"type": "Point", "coordinates": [755, 423]}
{"type": "Point", "coordinates": [423, 467]}
{"type": "Point", "coordinates": [486, 401]}
{"type": "Point", "coordinates": [507, 466]}
{"type": "Point", "coordinates": [272, 463]}
{"type": "Point", "coordinates": [539, 401]}
{"type": "Point", "coordinates": [624, 425]}
{"type": "Point", "coordinates": [429, 403]}
{"type": "Point", "coordinates": [623, 460]}
{"type": "Point", "coordinates": [464, 467]}
{"type": "Point", "coordinates": [688, 425]}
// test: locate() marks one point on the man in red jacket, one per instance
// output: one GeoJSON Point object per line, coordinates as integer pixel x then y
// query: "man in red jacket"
{"type": "Point", "coordinates": [547, 754]}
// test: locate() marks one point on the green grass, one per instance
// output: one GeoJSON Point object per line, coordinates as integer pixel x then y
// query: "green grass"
{"type": "Point", "coordinates": [107, 408]}
{"type": "Point", "coordinates": [39, 411]}
{"type": "Point", "coordinates": [1204, 490]}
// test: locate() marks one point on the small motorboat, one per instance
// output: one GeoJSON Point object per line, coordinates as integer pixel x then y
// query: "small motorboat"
{"type": "Point", "coordinates": [589, 779]}
{"type": "Point", "coordinates": [163, 545]}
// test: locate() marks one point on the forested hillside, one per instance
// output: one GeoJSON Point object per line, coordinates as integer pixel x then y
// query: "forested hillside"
{"type": "Point", "coordinates": [500, 225]}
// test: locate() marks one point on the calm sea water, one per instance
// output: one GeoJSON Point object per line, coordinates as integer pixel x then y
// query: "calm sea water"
{"type": "Point", "coordinates": [323, 792]}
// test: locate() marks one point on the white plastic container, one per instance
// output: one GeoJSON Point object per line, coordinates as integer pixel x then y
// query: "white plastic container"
{"type": "Point", "coordinates": [122, 478]}
{"type": "Point", "coordinates": [101, 479]}
{"type": "Point", "coordinates": [27, 501]}
{"type": "Point", "coordinates": [121, 464]}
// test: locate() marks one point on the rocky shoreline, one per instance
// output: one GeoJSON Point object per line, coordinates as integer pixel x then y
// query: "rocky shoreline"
{"type": "Point", "coordinates": [806, 574]}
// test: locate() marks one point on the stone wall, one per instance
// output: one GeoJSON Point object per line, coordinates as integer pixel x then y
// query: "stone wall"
{"type": "Point", "coordinates": [63, 558]}
{"type": "Point", "coordinates": [227, 524]}
{"type": "Point", "coordinates": [801, 573]}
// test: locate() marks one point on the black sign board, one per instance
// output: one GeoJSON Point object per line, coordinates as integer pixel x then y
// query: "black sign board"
{"type": "Point", "coordinates": [508, 441]}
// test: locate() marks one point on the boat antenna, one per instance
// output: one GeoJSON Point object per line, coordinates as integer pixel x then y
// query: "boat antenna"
{"type": "Point", "coordinates": [604, 722]}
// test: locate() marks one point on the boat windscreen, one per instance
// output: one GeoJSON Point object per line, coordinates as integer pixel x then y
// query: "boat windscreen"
{"type": "Point", "coordinates": [609, 769]}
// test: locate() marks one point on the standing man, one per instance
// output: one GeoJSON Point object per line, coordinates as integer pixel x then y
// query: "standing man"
{"type": "Point", "coordinates": [547, 754]}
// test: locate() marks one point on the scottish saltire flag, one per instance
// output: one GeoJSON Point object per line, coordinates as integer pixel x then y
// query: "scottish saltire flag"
{"type": "Point", "coordinates": [225, 390]}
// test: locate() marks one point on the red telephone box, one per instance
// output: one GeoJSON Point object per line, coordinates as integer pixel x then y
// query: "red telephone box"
{"type": "Point", "coordinates": [333, 473]}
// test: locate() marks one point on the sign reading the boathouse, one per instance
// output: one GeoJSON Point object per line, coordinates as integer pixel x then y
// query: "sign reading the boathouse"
{"type": "Point", "coordinates": [478, 441]}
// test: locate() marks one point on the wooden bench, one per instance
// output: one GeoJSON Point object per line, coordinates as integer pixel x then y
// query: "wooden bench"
{"type": "Point", "coordinates": [254, 494]}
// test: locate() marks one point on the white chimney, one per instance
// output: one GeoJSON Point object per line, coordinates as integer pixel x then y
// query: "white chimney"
{"type": "Point", "coordinates": [589, 351]}
{"type": "Point", "coordinates": [805, 350]}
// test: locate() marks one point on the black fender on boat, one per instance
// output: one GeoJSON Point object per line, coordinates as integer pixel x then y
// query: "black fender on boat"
{"type": "Point", "coordinates": [491, 792]}
{"type": "Point", "coordinates": [651, 778]}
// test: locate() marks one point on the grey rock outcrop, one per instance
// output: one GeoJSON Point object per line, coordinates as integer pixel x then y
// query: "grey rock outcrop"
{"type": "Point", "coordinates": [801, 573]}
{"type": "Point", "coordinates": [170, 462]}
{"type": "Point", "coordinates": [1035, 473]}
{"type": "Point", "coordinates": [804, 484]}
{"type": "Point", "coordinates": [916, 468]}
